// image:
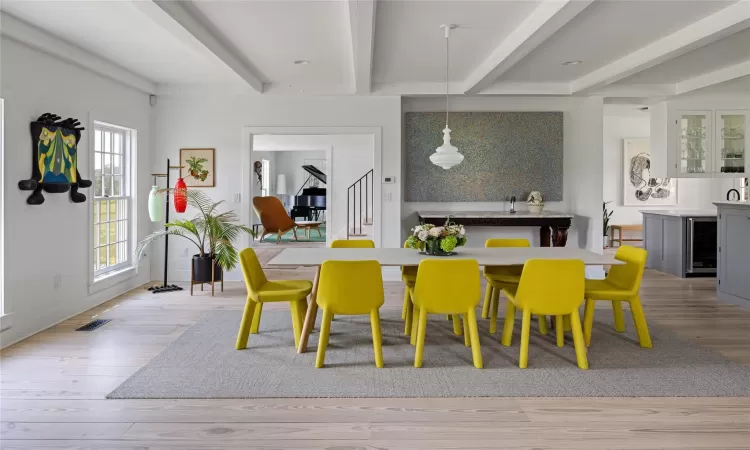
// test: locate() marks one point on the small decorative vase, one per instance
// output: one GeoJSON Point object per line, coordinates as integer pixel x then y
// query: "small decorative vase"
{"type": "Point", "coordinates": [535, 208]}
{"type": "Point", "coordinates": [180, 196]}
{"type": "Point", "coordinates": [155, 206]}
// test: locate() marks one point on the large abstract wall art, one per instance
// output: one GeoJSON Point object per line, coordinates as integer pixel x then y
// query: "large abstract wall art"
{"type": "Point", "coordinates": [505, 154]}
{"type": "Point", "coordinates": [54, 157]}
{"type": "Point", "coordinates": [639, 187]}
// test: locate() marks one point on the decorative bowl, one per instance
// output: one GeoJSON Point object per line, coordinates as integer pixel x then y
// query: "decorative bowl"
{"type": "Point", "coordinates": [535, 208]}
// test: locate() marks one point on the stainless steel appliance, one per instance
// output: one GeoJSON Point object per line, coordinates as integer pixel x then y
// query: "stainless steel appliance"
{"type": "Point", "coordinates": [701, 256]}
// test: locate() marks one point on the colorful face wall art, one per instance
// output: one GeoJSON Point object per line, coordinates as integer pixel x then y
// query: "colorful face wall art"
{"type": "Point", "coordinates": [55, 159]}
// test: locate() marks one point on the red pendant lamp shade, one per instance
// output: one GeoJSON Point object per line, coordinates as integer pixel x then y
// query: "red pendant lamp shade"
{"type": "Point", "coordinates": [180, 196]}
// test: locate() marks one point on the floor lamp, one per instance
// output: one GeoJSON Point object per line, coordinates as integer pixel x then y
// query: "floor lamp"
{"type": "Point", "coordinates": [165, 287]}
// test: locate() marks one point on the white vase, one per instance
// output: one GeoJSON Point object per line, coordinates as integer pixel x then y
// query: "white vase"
{"type": "Point", "coordinates": [155, 205]}
{"type": "Point", "coordinates": [535, 208]}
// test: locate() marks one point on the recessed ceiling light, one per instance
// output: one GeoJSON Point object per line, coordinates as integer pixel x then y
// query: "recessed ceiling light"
{"type": "Point", "coordinates": [301, 61]}
{"type": "Point", "coordinates": [572, 63]}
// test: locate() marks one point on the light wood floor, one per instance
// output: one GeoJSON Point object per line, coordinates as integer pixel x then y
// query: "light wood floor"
{"type": "Point", "coordinates": [54, 383]}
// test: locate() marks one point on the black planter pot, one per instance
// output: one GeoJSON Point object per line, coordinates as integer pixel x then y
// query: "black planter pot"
{"type": "Point", "coordinates": [202, 269]}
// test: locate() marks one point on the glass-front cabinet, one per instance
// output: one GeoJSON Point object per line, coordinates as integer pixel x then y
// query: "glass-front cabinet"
{"type": "Point", "coordinates": [695, 138]}
{"type": "Point", "coordinates": [731, 142]}
{"type": "Point", "coordinates": [712, 144]}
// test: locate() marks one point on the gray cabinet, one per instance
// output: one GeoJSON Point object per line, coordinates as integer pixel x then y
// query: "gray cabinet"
{"type": "Point", "coordinates": [734, 254]}
{"type": "Point", "coordinates": [663, 238]}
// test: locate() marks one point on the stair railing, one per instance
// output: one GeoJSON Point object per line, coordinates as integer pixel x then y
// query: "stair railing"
{"type": "Point", "coordinates": [354, 204]}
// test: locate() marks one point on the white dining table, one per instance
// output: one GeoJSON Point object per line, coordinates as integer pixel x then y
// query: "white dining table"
{"type": "Point", "coordinates": [498, 256]}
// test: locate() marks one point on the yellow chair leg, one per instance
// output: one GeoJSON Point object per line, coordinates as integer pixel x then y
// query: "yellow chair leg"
{"type": "Point", "coordinates": [578, 342]}
{"type": "Point", "coordinates": [619, 319]}
{"type": "Point", "coordinates": [543, 325]}
{"type": "Point", "coordinates": [560, 331]}
{"type": "Point", "coordinates": [247, 319]}
{"type": "Point", "coordinates": [510, 318]}
{"type": "Point", "coordinates": [296, 320]}
{"type": "Point", "coordinates": [377, 338]}
{"type": "Point", "coordinates": [409, 317]}
{"type": "Point", "coordinates": [256, 319]}
{"type": "Point", "coordinates": [566, 323]}
{"type": "Point", "coordinates": [467, 338]}
{"type": "Point", "coordinates": [421, 330]}
{"type": "Point", "coordinates": [414, 326]}
{"type": "Point", "coordinates": [487, 301]}
{"type": "Point", "coordinates": [476, 350]}
{"type": "Point", "coordinates": [639, 319]}
{"type": "Point", "coordinates": [448, 317]}
{"type": "Point", "coordinates": [457, 330]}
{"type": "Point", "coordinates": [325, 330]}
{"type": "Point", "coordinates": [588, 320]}
{"type": "Point", "coordinates": [493, 310]}
{"type": "Point", "coordinates": [406, 303]}
{"type": "Point", "coordinates": [523, 359]}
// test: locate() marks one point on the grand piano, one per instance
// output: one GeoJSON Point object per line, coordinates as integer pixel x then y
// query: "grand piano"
{"type": "Point", "coordinates": [310, 200]}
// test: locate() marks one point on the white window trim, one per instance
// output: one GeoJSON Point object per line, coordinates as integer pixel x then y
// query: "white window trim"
{"type": "Point", "coordinates": [121, 272]}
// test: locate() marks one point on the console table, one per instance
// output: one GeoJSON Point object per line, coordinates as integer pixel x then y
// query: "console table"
{"type": "Point", "coordinates": [553, 226]}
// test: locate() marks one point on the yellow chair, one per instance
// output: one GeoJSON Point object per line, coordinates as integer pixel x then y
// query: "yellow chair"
{"type": "Point", "coordinates": [621, 285]}
{"type": "Point", "coordinates": [352, 243]}
{"type": "Point", "coordinates": [499, 277]}
{"type": "Point", "coordinates": [350, 288]}
{"type": "Point", "coordinates": [260, 290]}
{"type": "Point", "coordinates": [547, 287]}
{"type": "Point", "coordinates": [447, 287]}
{"type": "Point", "coordinates": [409, 277]}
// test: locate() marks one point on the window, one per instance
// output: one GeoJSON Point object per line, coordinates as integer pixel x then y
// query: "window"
{"type": "Point", "coordinates": [266, 185]}
{"type": "Point", "coordinates": [2, 208]}
{"type": "Point", "coordinates": [113, 199]}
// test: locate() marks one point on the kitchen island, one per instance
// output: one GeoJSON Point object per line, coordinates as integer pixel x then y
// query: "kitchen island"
{"type": "Point", "coordinates": [680, 242]}
{"type": "Point", "coordinates": [734, 253]}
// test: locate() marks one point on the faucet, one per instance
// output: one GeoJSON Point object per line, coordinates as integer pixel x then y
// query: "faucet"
{"type": "Point", "coordinates": [513, 204]}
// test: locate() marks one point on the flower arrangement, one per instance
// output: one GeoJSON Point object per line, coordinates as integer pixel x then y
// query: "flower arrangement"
{"type": "Point", "coordinates": [435, 240]}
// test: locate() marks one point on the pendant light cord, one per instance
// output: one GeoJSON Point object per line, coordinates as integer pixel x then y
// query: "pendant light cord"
{"type": "Point", "coordinates": [447, 65]}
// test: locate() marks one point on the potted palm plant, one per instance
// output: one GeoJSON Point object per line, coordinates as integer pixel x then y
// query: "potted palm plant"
{"type": "Point", "coordinates": [213, 232]}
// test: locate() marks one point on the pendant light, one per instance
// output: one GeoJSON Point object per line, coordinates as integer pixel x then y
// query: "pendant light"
{"type": "Point", "coordinates": [180, 196]}
{"type": "Point", "coordinates": [447, 156]}
{"type": "Point", "coordinates": [155, 203]}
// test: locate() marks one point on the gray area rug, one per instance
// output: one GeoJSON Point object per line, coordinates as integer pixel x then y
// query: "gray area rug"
{"type": "Point", "coordinates": [203, 363]}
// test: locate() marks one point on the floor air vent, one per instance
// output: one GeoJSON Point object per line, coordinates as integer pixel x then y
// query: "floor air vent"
{"type": "Point", "coordinates": [93, 325]}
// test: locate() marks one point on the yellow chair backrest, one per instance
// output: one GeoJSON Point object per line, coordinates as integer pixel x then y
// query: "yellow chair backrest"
{"type": "Point", "coordinates": [497, 242]}
{"type": "Point", "coordinates": [255, 278]}
{"type": "Point", "coordinates": [447, 286]}
{"type": "Point", "coordinates": [628, 276]}
{"type": "Point", "coordinates": [272, 214]}
{"type": "Point", "coordinates": [350, 287]}
{"type": "Point", "coordinates": [352, 243]}
{"type": "Point", "coordinates": [551, 287]}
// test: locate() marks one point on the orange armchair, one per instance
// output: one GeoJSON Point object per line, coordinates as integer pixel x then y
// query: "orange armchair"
{"type": "Point", "coordinates": [273, 217]}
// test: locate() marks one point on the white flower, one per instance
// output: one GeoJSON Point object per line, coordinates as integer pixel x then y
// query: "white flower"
{"type": "Point", "coordinates": [417, 229]}
{"type": "Point", "coordinates": [435, 232]}
{"type": "Point", "coordinates": [422, 235]}
{"type": "Point", "coordinates": [462, 232]}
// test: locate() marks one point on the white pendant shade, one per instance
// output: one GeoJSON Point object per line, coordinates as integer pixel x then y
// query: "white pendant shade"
{"type": "Point", "coordinates": [446, 156]}
{"type": "Point", "coordinates": [155, 205]}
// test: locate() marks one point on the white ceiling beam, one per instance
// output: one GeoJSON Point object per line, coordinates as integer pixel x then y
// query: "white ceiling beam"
{"type": "Point", "coordinates": [186, 15]}
{"type": "Point", "coordinates": [717, 76]}
{"type": "Point", "coordinates": [543, 22]}
{"type": "Point", "coordinates": [362, 33]}
{"type": "Point", "coordinates": [39, 39]}
{"type": "Point", "coordinates": [727, 21]}
{"type": "Point", "coordinates": [511, 88]}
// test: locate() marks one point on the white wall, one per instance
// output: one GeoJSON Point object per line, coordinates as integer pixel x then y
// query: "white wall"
{"type": "Point", "coordinates": [581, 145]}
{"type": "Point", "coordinates": [218, 122]}
{"type": "Point", "coordinates": [53, 238]}
{"type": "Point", "coordinates": [692, 193]}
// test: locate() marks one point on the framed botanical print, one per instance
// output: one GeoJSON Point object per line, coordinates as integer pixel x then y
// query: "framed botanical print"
{"type": "Point", "coordinates": [198, 167]}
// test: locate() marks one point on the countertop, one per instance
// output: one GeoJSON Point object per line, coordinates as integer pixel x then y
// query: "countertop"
{"type": "Point", "coordinates": [681, 212]}
{"type": "Point", "coordinates": [734, 204]}
{"type": "Point", "coordinates": [490, 214]}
